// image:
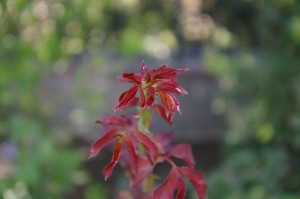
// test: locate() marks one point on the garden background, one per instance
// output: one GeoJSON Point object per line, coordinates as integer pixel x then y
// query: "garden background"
{"type": "Point", "coordinates": [59, 60]}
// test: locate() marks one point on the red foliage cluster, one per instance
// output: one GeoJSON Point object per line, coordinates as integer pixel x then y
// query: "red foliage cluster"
{"type": "Point", "coordinates": [154, 148]}
{"type": "Point", "coordinates": [160, 82]}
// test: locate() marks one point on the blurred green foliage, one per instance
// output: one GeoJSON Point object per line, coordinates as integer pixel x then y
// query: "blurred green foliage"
{"type": "Point", "coordinates": [45, 169]}
{"type": "Point", "coordinates": [37, 159]}
{"type": "Point", "coordinates": [36, 37]}
{"type": "Point", "coordinates": [49, 30]}
{"type": "Point", "coordinates": [260, 99]}
{"type": "Point", "coordinates": [259, 76]}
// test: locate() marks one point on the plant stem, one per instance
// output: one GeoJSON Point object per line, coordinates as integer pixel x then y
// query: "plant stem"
{"type": "Point", "coordinates": [144, 122]}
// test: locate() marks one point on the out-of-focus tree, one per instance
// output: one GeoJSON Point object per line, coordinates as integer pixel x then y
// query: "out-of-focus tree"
{"type": "Point", "coordinates": [261, 102]}
{"type": "Point", "coordinates": [36, 37]}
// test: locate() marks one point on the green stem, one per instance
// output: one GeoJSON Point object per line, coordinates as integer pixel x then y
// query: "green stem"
{"type": "Point", "coordinates": [144, 122]}
{"type": "Point", "coordinates": [145, 117]}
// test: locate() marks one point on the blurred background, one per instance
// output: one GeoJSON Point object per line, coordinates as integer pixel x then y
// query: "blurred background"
{"type": "Point", "coordinates": [59, 60]}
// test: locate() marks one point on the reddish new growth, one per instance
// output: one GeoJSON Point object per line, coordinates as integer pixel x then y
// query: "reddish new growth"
{"type": "Point", "coordinates": [146, 150]}
{"type": "Point", "coordinates": [160, 82]}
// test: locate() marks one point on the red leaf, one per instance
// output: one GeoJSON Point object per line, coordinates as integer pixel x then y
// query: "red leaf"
{"type": "Point", "coordinates": [162, 113]}
{"type": "Point", "coordinates": [117, 151]}
{"type": "Point", "coordinates": [169, 102]}
{"type": "Point", "coordinates": [151, 96]}
{"type": "Point", "coordinates": [132, 102]}
{"type": "Point", "coordinates": [130, 78]}
{"type": "Point", "coordinates": [144, 167]}
{"type": "Point", "coordinates": [170, 86]}
{"type": "Point", "coordinates": [152, 148]}
{"type": "Point", "coordinates": [165, 72]}
{"type": "Point", "coordinates": [196, 179]}
{"type": "Point", "coordinates": [167, 189]}
{"type": "Point", "coordinates": [143, 68]}
{"type": "Point", "coordinates": [142, 98]}
{"type": "Point", "coordinates": [181, 189]}
{"type": "Point", "coordinates": [132, 154]}
{"type": "Point", "coordinates": [116, 120]}
{"type": "Point", "coordinates": [184, 152]}
{"type": "Point", "coordinates": [126, 96]}
{"type": "Point", "coordinates": [103, 141]}
{"type": "Point", "coordinates": [176, 104]}
{"type": "Point", "coordinates": [164, 139]}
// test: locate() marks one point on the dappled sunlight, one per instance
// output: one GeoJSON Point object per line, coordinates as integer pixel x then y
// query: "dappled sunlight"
{"type": "Point", "coordinates": [41, 10]}
{"type": "Point", "coordinates": [59, 61]}
{"type": "Point", "coordinates": [156, 47]}
{"type": "Point", "coordinates": [195, 25]}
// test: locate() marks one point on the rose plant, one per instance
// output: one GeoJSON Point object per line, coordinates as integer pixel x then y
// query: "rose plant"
{"type": "Point", "coordinates": [144, 149]}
